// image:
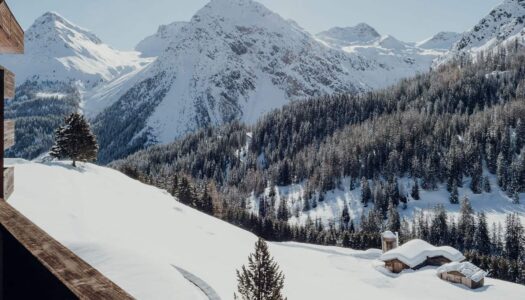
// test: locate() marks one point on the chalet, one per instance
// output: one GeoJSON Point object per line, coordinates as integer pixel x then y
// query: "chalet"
{"type": "Point", "coordinates": [464, 273]}
{"type": "Point", "coordinates": [416, 254]}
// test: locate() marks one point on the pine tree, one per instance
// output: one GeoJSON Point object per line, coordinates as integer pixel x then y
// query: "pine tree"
{"type": "Point", "coordinates": [476, 181]}
{"type": "Point", "coordinates": [514, 237]}
{"type": "Point", "coordinates": [482, 241]}
{"type": "Point", "coordinates": [415, 191]}
{"type": "Point", "coordinates": [345, 217]}
{"type": "Point", "coordinates": [346, 240]}
{"type": "Point", "coordinates": [466, 224]}
{"type": "Point", "coordinates": [486, 185]}
{"type": "Point", "coordinates": [75, 140]}
{"type": "Point", "coordinates": [283, 214]}
{"type": "Point", "coordinates": [366, 193]}
{"type": "Point", "coordinates": [439, 226]}
{"type": "Point", "coordinates": [454, 195]}
{"type": "Point", "coordinates": [501, 171]}
{"type": "Point", "coordinates": [394, 222]}
{"type": "Point", "coordinates": [516, 198]}
{"type": "Point", "coordinates": [262, 279]}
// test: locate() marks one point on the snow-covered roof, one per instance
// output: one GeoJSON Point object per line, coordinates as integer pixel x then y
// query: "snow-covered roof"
{"type": "Point", "coordinates": [468, 269]}
{"type": "Point", "coordinates": [389, 235]}
{"type": "Point", "coordinates": [415, 252]}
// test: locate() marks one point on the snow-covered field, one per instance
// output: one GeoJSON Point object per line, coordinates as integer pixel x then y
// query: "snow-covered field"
{"type": "Point", "coordinates": [137, 234]}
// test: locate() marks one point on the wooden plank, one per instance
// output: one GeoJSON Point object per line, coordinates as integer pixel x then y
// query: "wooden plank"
{"type": "Point", "coordinates": [9, 182]}
{"type": "Point", "coordinates": [9, 83]}
{"type": "Point", "coordinates": [82, 279]}
{"type": "Point", "coordinates": [9, 134]}
{"type": "Point", "coordinates": [11, 33]}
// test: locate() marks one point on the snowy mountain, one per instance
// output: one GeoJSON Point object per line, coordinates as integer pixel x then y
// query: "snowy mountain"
{"type": "Point", "coordinates": [503, 24]}
{"type": "Point", "coordinates": [397, 59]}
{"type": "Point", "coordinates": [237, 60]}
{"type": "Point", "coordinates": [158, 244]}
{"type": "Point", "coordinates": [441, 41]}
{"type": "Point", "coordinates": [362, 33]}
{"type": "Point", "coordinates": [57, 50]}
{"type": "Point", "coordinates": [154, 45]}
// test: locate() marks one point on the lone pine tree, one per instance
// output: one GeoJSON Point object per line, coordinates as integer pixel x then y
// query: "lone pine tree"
{"type": "Point", "coordinates": [261, 280]}
{"type": "Point", "coordinates": [75, 140]}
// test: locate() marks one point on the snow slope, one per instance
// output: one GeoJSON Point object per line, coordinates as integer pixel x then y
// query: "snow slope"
{"type": "Point", "coordinates": [135, 234]}
{"type": "Point", "coordinates": [496, 204]}
{"type": "Point", "coordinates": [441, 41]}
{"type": "Point", "coordinates": [154, 45]}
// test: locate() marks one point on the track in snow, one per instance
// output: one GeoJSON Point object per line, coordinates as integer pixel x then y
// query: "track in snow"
{"type": "Point", "coordinates": [201, 284]}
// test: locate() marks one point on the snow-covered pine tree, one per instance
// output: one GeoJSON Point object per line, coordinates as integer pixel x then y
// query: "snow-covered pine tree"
{"type": "Point", "coordinates": [75, 141]}
{"type": "Point", "coordinates": [262, 279]}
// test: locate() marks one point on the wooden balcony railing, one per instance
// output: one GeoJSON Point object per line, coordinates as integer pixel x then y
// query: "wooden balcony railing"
{"type": "Point", "coordinates": [36, 266]}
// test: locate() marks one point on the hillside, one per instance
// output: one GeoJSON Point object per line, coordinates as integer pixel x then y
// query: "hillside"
{"type": "Point", "coordinates": [502, 26]}
{"type": "Point", "coordinates": [135, 234]}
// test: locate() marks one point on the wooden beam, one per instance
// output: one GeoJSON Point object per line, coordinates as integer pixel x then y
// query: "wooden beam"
{"type": "Point", "coordinates": [9, 182]}
{"type": "Point", "coordinates": [81, 278]}
{"type": "Point", "coordinates": [9, 134]}
{"type": "Point", "coordinates": [11, 33]}
{"type": "Point", "coordinates": [9, 83]}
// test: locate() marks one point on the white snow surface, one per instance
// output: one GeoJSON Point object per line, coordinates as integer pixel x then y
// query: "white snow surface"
{"type": "Point", "coordinates": [389, 235]}
{"type": "Point", "coordinates": [466, 268]}
{"type": "Point", "coordinates": [135, 234]}
{"type": "Point", "coordinates": [415, 252]}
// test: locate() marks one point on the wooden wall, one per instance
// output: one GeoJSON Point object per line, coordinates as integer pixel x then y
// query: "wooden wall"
{"type": "Point", "coordinates": [11, 33]}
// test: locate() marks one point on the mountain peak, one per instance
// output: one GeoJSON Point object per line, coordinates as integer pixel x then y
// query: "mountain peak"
{"type": "Point", "coordinates": [361, 33]}
{"type": "Point", "coordinates": [443, 40]}
{"type": "Point", "coordinates": [52, 25]}
{"type": "Point", "coordinates": [241, 12]}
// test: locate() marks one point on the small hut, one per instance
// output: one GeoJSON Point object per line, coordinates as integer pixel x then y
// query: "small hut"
{"type": "Point", "coordinates": [464, 273]}
{"type": "Point", "coordinates": [416, 254]}
{"type": "Point", "coordinates": [389, 241]}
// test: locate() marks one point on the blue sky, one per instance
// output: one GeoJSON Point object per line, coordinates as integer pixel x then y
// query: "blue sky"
{"type": "Point", "coordinates": [123, 23]}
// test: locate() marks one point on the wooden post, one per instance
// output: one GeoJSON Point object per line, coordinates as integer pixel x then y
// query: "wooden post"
{"type": "Point", "coordinates": [2, 115]}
